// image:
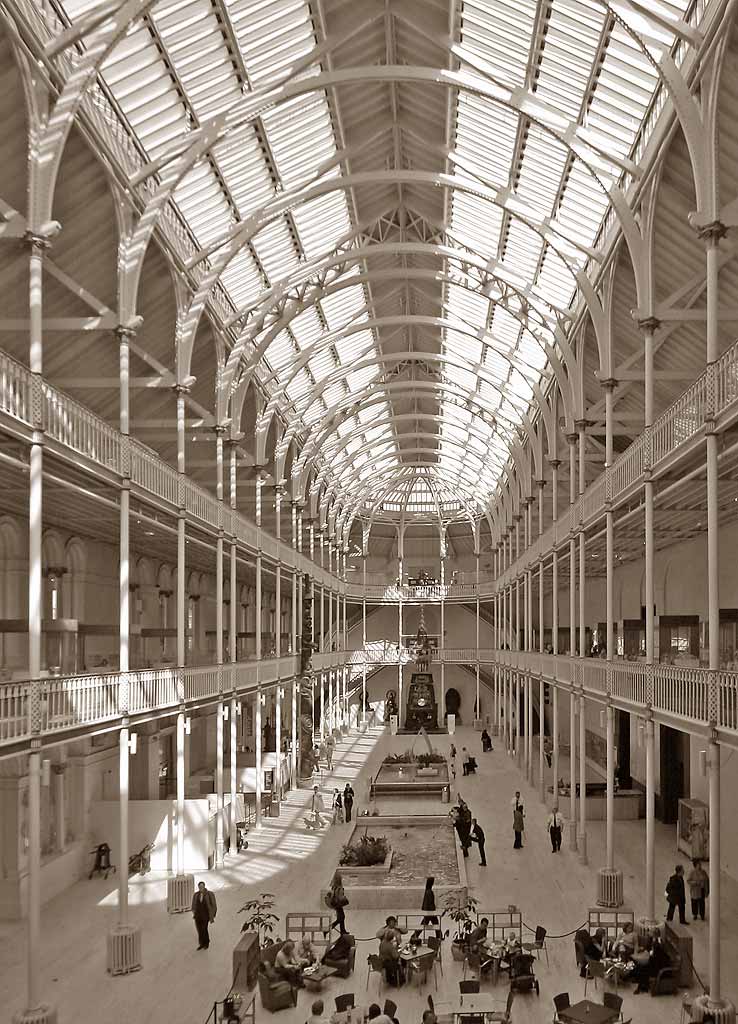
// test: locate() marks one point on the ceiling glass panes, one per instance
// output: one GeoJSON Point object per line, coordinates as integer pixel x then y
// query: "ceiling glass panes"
{"type": "Point", "coordinates": [414, 413]}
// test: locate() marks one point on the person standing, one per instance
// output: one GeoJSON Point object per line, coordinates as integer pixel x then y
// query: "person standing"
{"type": "Point", "coordinates": [429, 903]}
{"type": "Point", "coordinates": [330, 745]}
{"type": "Point", "coordinates": [337, 806]}
{"type": "Point", "coordinates": [338, 902]}
{"type": "Point", "coordinates": [675, 895]}
{"type": "Point", "coordinates": [477, 836]}
{"type": "Point", "coordinates": [348, 800]}
{"type": "Point", "coordinates": [553, 825]}
{"type": "Point", "coordinates": [316, 806]}
{"type": "Point", "coordinates": [204, 909]}
{"type": "Point", "coordinates": [699, 889]}
{"type": "Point", "coordinates": [518, 826]}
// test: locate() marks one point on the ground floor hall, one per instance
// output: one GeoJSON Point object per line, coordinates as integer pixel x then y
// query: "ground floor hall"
{"type": "Point", "coordinates": [179, 983]}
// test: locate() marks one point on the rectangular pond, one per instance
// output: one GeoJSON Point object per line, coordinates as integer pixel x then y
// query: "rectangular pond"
{"type": "Point", "coordinates": [421, 845]}
{"type": "Point", "coordinates": [410, 780]}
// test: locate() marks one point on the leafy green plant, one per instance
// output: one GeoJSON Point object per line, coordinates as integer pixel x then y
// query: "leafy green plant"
{"type": "Point", "coordinates": [261, 919]}
{"type": "Point", "coordinates": [460, 911]}
{"type": "Point", "coordinates": [426, 760]}
{"type": "Point", "coordinates": [405, 758]}
{"type": "Point", "coordinates": [366, 853]}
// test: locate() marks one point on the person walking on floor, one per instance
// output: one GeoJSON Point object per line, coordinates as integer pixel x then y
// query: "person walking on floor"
{"type": "Point", "coordinates": [204, 909]}
{"type": "Point", "coordinates": [477, 836]}
{"type": "Point", "coordinates": [348, 800]}
{"type": "Point", "coordinates": [675, 895]}
{"type": "Point", "coordinates": [553, 826]}
{"type": "Point", "coordinates": [699, 889]}
{"type": "Point", "coordinates": [316, 806]}
{"type": "Point", "coordinates": [429, 903]}
{"type": "Point", "coordinates": [337, 805]}
{"type": "Point", "coordinates": [337, 900]}
{"type": "Point", "coordinates": [330, 745]}
{"type": "Point", "coordinates": [518, 826]}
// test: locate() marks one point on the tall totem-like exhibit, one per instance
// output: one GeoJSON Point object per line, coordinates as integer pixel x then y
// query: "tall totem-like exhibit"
{"type": "Point", "coordinates": [306, 711]}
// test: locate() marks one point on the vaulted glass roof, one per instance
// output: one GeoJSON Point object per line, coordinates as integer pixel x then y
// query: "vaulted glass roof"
{"type": "Point", "coordinates": [435, 223]}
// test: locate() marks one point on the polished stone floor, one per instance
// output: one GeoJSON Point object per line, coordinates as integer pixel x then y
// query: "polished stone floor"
{"type": "Point", "coordinates": [178, 983]}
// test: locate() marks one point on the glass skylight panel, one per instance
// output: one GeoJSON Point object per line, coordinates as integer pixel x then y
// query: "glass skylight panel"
{"type": "Point", "coordinates": [300, 136]}
{"type": "Point", "coordinates": [203, 203]}
{"type": "Point", "coordinates": [322, 222]}
{"type": "Point", "coordinates": [272, 35]}
{"type": "Point", "coordinates": [275, 249]}
{"type": "Point", "coordinates": [241, 162]}
{"type": "Point", "coordinates": [241, 278]}
{"type": "Point", "coordinates": [282, 352]}
{"type": "Point", "coordinates": [300, 386]}
{"type": "Point", "coordinates": [358, 380]}
{"type": "Point", "coordinates": [500, 32]}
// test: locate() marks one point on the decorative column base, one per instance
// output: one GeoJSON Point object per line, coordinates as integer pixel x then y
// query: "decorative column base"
{"type": "Point", "coordinates": [572, 835]}
{"type": "Point", "coordinates": [363, 724]}
{"type": "Point", "coordinates": [180, 890]}
{"type": "Point", "coordinates": [582, 848]}
{"type": "Point", "coordinates": [124, 949]}
{"type": "Point", "coordinates": [43, 1014]}
{"type": "Point", "coordinates": [646, 929]}
{"type": "Point", "coordinates": [610, 887]}
{"type": "Point", "coordinates": [722, 1012]}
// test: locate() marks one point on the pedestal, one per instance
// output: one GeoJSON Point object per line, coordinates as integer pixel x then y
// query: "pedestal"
{"type": "Point", "coordinates": [274, 809]}
{"type": "Point", "coordinates": [180, 890]}
{"type": "Point", "coordinates": [393, 725]}
{"type": "Point", "coordinates": [478, 724]}
{"type": "Point", "coordinates": [609, 887]}
{"type": "Point", "coordinates": [43, 1014]}
{"type": "Point", "coordinates": [723, 1013]}
{"type": "Point", "coordinates": [124, 949]}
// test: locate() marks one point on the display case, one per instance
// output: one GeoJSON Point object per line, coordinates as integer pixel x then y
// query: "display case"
{"type": "Point", "coordinates": [693, 829]}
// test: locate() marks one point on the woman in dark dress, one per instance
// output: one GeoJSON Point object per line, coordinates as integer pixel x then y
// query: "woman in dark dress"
{"type": "Point", "coordinates": [429, 903]}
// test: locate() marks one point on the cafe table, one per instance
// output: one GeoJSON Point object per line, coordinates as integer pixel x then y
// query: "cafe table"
{"type": "Point", "coordinates": [477, 1003]}
{"type": "Point", "coordinates": [408, 953]}
{"type": "Point", "coordinates": [587, 1012]}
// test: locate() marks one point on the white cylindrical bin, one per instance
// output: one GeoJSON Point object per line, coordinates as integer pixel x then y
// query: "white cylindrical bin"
{"type": "Point", "coordinates": [180, 890]}
{"type": "Point", "coordinates": [124, 949]}
{"type": "Point", "coordinates": [43, 1014]}
{"type": "Point", "coordinates": [393, 725]}
{"type": "Point", "coordinates": [610, 887]}
{"type": "Point", "coordinates": [722, 1014]}
{"type": "Point", "coordinates": [451, 724]}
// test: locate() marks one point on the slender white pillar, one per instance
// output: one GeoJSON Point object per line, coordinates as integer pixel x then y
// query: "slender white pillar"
{"type": "Point", "coordinates": [233, 647]}
{"type": "Point", "coordinates": [572, 770]}
{"type": "Point", "coordinates": [650, 914]}
{"type": "Point", "coordinates": [582, 838]}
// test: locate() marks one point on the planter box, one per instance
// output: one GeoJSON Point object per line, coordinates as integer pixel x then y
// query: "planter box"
{"type": "Point", "coordinates": [458, 952]}
{"type": "Point", "coordinates": [427, 771]}
{"type": "Point", "coordinates": [368, 872]}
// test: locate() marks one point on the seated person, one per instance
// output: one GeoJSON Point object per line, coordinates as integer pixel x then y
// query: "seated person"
{"type": "Point", "coordinates": [287, 965]}
{"type": "Point", "coordinates": [486, 741]}
{"type": "Point", "coordinates": [340, 949]}
{"type": "Point", "coordinates": [306, 955]}
{"type": "Point", "coordinates": [625, 941]}
{"type": "Point", "coordinates": [513, 945]}
{"type": "Point", "coordinates": [316, 1013]}
{"type": "Point", "coordinates": [596, 947]}
{"type": "Point", "coordinates": [389, 950]}
{"type": "Point", "coordinates": [375, 1014]}
{"type": "Point", "coordinates": [648, 963]}
{"type": "Point", "coordinates": [478, 936]}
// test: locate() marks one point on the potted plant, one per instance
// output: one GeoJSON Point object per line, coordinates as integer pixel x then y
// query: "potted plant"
{"type": "Point", "coordinates": [261, 918]}
{"type": "Point", "coordinates": [460, 909]}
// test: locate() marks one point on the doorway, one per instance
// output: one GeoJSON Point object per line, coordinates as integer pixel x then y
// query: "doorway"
{"type": "Point", "coordinates": [674, 772]}
{"type": "Point", "coordinates": [624, 778]}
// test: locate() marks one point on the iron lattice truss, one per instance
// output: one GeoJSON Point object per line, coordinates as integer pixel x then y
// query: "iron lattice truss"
{"type": "Point", "coordinates": [393, 204]}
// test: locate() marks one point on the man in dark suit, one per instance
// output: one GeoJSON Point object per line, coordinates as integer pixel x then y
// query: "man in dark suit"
{"type": "Point", "coordinates": [204, 909]}
{"type": "Point", "coordinates": [477, 836]}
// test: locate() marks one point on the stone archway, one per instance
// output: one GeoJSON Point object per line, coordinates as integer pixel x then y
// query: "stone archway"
{"type": "Point", "coordinates": [453, 703]}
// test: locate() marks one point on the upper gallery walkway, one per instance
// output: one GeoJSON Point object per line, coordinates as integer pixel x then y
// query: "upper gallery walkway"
{"type": "Point", "coordinates": [77, 435]}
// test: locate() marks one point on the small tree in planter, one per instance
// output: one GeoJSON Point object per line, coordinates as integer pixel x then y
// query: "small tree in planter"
{"type": "Point", "coordinates": [460, 911]}
{"type": "Point", "coordinates": [261, 919]}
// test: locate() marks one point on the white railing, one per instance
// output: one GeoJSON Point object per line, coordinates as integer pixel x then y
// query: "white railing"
{"type": "Point", "coordinates": [80, 700]}
{"type": "Point", "coordinates": [79, 429]}
{"type": "Point", "coordinates": [15, 389]}
{"type": "Point", "coordinates": [152, 474]}
{"type": "Point", "coordinates": [14, 723]}
{"type": "Point", "coordinates": [149, 689]}
{"type": "Point", "coordinates": [682, 691]}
